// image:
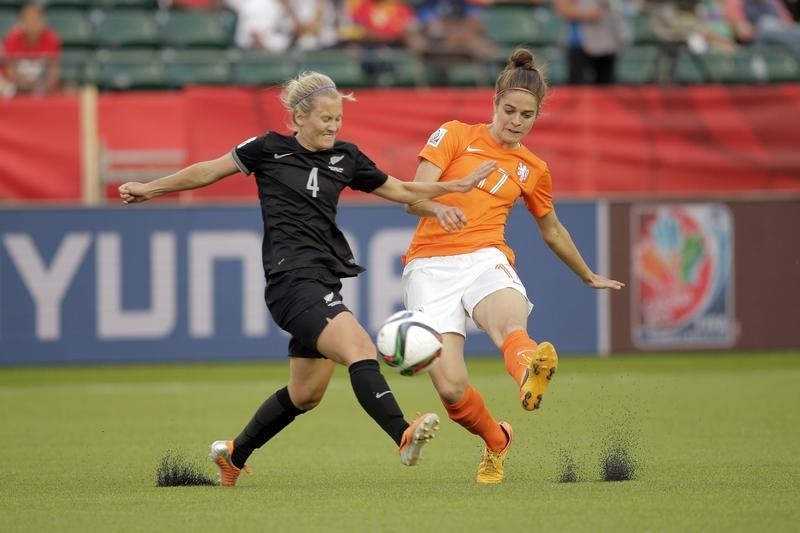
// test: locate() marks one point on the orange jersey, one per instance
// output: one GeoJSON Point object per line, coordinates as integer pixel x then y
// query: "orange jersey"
{"type": "Point", "coordinates": [458, 148]}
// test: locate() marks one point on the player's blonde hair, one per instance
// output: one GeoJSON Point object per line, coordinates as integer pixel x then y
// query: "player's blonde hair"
{"type": "Point", "coordinates": [298, 94]}
{"type": "Point", "coordinates": [522, 74]}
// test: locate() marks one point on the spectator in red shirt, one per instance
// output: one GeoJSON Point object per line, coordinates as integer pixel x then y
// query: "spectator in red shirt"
{"type": "Point", "coordinates": [31, 52]}
{"type": "Point", "coordinates": [378, 27]}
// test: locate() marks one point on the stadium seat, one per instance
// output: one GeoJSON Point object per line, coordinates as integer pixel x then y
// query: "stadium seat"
{"type": "Point", "coordinates": [554, 61]}
{"type": "Point", "coordinates": [513, 25]}
{"type": "Point", "coordinates": [408, 70]}
{"type": "Point", "coordinates": [640, 30]}
{"type": "Point", "coordinates": [125, 27]}
{"type": "Point", "coordinates": [150, 5]}
{"type": "Point", "coordinates": [74, 62]}
{"type": "Point", "coordinates": [193, 28]}
{"type": "Point", "coordinates": [636, 65]}
{"type": "Point", "coordinates": [187, 67]}
{"type": "Point", "coordinates": [254, 67]}
{"type": "Point", "coordinates": [72, 4]}
{"type": "Point", "coordinates": [771, 64]}
{"type": "Point", "coordinates": [344, 69]}
{"type": "Point", "coordinates": [8, 17]}
{"type": "Point", "coordinates": [128, 69]}
{"type": "Point", "coordinates": [73, 27]}
{"type": "Point", "coordinates": [473, 74]}
{"type": "Point", "coordinates": [722, 68]}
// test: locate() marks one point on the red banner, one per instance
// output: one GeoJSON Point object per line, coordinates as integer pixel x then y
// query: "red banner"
{"type": "Point", "coordinates": [691, 141]}
{"type": "Point", "coordinates": [40, 149]}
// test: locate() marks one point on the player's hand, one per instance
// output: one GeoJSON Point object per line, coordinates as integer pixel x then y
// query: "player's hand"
{"type": "Point", "coordinates": [481, 172]}
{"type": "Point", "coordinates": [450, 218]}
{"type": "Point", "coordinates": [133, 192]}
{"type": "Point", "coordinates": [601, 282]}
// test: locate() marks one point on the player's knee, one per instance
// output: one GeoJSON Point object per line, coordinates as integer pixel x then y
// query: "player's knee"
{"type": "Point", "coordinates": [308, 399]}
{"type": "Point", "coordinates": [452, 391]}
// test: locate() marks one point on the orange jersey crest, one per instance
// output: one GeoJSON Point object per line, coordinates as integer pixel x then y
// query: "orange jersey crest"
{"type": "Point", "coordinates": [458, 148]}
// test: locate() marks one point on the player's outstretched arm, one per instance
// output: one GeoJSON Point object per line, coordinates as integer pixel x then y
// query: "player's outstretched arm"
{"type": "Point", "coordinates": [405, 192]}
{"type": "Point", "coordinates": [192, 177]}
{"type": "Point", "coordinates": [556, 236]}
{"type": "Point", "coordinates": [450, 217]}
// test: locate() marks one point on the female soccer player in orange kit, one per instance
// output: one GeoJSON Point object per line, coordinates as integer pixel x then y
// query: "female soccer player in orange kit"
{"type": "Point", "coordinates": [459, 264]}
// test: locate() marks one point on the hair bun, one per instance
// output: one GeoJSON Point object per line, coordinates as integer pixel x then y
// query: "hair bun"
{"type": "Point", "coordinates": [522, 58]}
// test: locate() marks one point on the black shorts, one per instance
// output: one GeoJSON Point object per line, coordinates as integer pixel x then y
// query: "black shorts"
{"type": "Point", "coordinates": [302, 302]}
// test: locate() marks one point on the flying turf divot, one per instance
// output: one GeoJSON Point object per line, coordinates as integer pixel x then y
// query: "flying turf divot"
{"type": "Point", "coordinates": [175, 471]}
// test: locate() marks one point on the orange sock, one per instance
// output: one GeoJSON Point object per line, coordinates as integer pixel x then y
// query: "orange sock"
{"type": "Point", "coordinates": [516, 343]}
{"type": "Point", "coordinates": [471, 412]}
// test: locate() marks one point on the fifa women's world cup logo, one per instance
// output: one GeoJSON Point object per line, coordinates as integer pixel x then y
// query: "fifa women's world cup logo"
{"type": "Point", "coordinates": [682, 276]}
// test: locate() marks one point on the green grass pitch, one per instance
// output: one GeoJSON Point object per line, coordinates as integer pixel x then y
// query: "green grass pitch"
{"type": "Point", "coordinates": [716, 439]}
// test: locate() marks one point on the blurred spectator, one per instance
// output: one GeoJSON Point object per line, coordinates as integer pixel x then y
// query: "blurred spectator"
{"type": "Point", "coordinates": [380, 21]}
{"type": "Point", "coordinates": [314, 23]}
{"type": "Point", "coordinates": [377, 27]}
{"type": "Point", "coordinates": [276, 26]}
{"type": "Point", "coordinates": [597, 31]}
{"type": "Point", "coordinates": [32, 52]}
{"type": "Point", "coordinates": [452, 32]}
{"type": "Point", "coordinates": [793, 6]}
{"type": "Point", "coordinates": [763, 22]}
{"type": "Point", "coordinates": [678, 29]}
{"type": "Point", "coordinates": [714, 27]}
{"type": "Point", "coordinates": [262, 25]}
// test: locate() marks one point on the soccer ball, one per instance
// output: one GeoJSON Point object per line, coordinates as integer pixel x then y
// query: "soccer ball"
{"type": "Point", "coordinates": [408, 342]}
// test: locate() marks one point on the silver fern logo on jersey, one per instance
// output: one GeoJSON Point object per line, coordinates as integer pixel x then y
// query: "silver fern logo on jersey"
{"type": "Point", "coordinates": [335, 159]}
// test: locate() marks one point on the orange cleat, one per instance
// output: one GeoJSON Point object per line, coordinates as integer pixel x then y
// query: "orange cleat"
{"type": "Point", "coordinates": [422, 429]}
{"type": "Point", "coordinates": [221, 451]}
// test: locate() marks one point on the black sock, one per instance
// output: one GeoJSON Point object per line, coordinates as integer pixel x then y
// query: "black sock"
{"type": "Point", "coordinates": [377, 398]}
{"type": "Point", "coordinates": [275, 413]}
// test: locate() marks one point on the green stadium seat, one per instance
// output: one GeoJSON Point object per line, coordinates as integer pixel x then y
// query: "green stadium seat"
{"type": "Point", "coordinates": [344, 69]}
{"type": "Point", "coordinates": [11, 5]}
{"type": "Point", "coordinates": [513, 25]}
{"type": "Point", "coordinates": [188, 67]}
{"type": "Point", "coordinates": [8, 17]}
{"type": "Point", "coordinates": [554, 61]}
{"type": "Point", "coordinates": [722, 68]}
{"type": "Point", "coordinates": [72, 4]}
{"type": "Point", "coordinates": [73, 27]}
{"type": "Point", "coordinates": [771, 63]}
{"type": "Point", "coordinates": [640, 30]}
{"type": "Point", "coordinates": [74, 64]}
{"type": "Point", "coordinates": [408, 70]}
{"type": "Point", "coordinates": [636, 65]}
{"type": "Point", "coordinates": [150, 5]}
{"type": "Point", "coordinates": [129, 69]}
{"type": "Point", "coordinates": [193, 28]}
{"type": "Point", "coordinates": [255, 67]}
{"type": "Point", "coordinates": [125, 27]}
{"type": "Point", "coordinates": [473, 74]}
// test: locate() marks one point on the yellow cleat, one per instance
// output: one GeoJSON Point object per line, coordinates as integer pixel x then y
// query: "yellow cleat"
{"type": "Point", "coordinates": [490, 471]}
{"type": "Point", "coordinates": [542, 364]}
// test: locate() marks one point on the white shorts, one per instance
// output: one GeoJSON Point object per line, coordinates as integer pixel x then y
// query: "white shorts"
{"type": "Point", "coordinates": [449, 287]}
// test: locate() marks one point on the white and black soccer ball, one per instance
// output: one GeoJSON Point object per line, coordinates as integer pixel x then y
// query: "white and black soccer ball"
{"type": "Point", "coordinates": [409, 343]}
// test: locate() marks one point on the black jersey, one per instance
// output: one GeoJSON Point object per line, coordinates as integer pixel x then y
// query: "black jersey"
{"type": "Point", "coordinates": [299, 192]}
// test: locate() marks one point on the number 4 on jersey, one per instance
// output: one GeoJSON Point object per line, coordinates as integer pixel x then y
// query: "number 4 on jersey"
{"type": "Point", "coordinates": [313, 183]}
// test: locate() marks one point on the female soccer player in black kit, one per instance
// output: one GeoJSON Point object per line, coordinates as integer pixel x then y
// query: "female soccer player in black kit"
{"type": "Point", "coordinates": [305, 255]}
